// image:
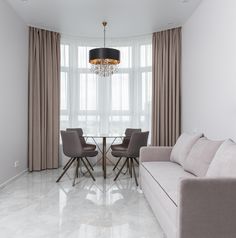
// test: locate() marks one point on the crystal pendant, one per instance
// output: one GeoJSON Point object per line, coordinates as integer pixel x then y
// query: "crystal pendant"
{"type": "Point", "coordinates": [104, 70]}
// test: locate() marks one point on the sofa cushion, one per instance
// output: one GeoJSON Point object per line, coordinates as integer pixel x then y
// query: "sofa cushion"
{"type": "Point", "coordinates": [167, 175]}
{"type": "Point", "coordinates": [200, 156]}
{"type": "Point", "coordinates": [183, 146]}
{"type": "Point", "coordinates": [224, 161]}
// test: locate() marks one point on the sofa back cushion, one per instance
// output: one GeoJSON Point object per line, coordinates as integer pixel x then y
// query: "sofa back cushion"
{"type": "Point", "coordinates": [183, 146]}
{"type": "Point", "coordinates": [200, 156]}
{"type": "Point", "coordinates": [224, 161]}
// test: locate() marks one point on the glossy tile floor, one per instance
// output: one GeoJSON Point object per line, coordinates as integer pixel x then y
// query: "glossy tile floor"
{"type": "Point", "coordinates": [35, 206]}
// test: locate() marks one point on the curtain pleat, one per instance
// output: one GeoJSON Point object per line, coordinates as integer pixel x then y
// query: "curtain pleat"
{"type": "Point", "coordinates": [166, 122]}
{"type": "Point", "coordinates": [44, 99]}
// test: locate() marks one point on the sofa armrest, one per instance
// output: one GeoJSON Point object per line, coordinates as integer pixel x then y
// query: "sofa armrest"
{"type": "Point", "coordinates": [155, 153]}
{"type": "Point", "coordinates": [207, 208]}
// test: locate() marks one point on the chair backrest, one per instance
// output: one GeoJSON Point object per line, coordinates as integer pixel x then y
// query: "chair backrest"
{"type": "Point", "coordinates": [78, 130]}
{"type": "Point", "coordinates": [137, 140]}
{"type": "Point", "coordinates": [80, 134]}
{"type": "Point", "coordinates": [71, 143]}
{"type": "Point", "coordinates": [128, 134]}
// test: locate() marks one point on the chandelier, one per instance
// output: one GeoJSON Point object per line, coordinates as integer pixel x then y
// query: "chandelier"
{"type": "Point", "coordinates": [104, 61]}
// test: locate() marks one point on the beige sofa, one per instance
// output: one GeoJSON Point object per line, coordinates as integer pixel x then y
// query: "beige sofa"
{"type": "Point", "coordinates": [191, 187]}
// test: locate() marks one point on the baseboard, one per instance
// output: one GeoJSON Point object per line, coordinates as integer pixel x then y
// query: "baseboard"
{"type": "Point", "coordinates": [12, 179]}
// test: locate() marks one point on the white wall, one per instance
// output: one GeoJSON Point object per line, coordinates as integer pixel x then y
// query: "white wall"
{"type": "Point", "coordinates": [13, 93]}
{"type": "Point", "coordinates": [209, 70]}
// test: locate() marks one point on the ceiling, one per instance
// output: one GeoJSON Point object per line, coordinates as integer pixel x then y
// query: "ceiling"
{"type": "Point", "coordinates": [125, 17]}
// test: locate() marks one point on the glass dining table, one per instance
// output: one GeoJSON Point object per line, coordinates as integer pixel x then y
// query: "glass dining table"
{"type": "Point", "coordinates": [104, 150]}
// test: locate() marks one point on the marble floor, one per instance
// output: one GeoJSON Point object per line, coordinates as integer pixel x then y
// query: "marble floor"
{"type": "Point", "coordinates": [36, 206]}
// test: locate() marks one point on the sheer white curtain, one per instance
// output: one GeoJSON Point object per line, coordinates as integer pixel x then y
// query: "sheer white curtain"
{"type": "Point", "coordinates": [106, 105]}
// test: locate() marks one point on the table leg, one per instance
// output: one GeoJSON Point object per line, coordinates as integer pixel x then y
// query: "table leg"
{"type": "Point", "coordinates": [104, 156]}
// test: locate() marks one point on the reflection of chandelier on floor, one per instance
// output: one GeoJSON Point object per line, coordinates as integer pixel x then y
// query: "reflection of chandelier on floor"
{"type": "Point", "coordinates": [104, 61]}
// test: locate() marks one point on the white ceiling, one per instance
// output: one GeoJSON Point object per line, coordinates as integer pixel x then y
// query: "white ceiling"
{"type": "Point", "coordinates": [125, 17]}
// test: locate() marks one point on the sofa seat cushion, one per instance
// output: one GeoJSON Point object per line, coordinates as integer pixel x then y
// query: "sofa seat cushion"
{"type": "Point", "coordinates": [167, 175]}
{"type": "Point", "coordinates": [200, 156]}
{"type": "Point", "coordinates": [224, 161]}
{"type": "Point", "coordinates": [183, 146]}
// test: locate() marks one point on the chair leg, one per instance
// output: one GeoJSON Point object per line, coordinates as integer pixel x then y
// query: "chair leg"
{"type": "Point", "coordinates": [71, 162]}
{"type": "Point", "coordinates": [88, 169]}
{"type": "Point", "coordinates": [67, 163]}
{"type": "Point", "coordinates": [89, 163]}
{"type": "Point", "coordinates": [121, 169]}
{"type": "Point", "coordinates": [136, 180]}
{"type": "Point", "coordinates": [117, 163]}
{"type": "Point", "coordinates": [136, 161]}
{"type": "Point", "coordinates": [76, 171]}
{"type": "Point", "coordinates": [130, 167]}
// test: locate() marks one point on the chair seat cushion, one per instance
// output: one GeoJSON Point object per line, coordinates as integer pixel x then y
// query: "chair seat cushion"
{"type": "Point", "coordinates": [119, 147]}
{"type": "Point", "coordinates": [89, 153]}
{"type": "Point", "coordinates": [89, 147]}
{"type": "Point", "coordinates": [119, 153]}
{"type": "Point", "coordinates": [167, 175]}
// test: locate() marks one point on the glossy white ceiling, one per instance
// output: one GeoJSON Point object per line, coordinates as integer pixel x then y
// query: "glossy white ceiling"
{"type": "Point", "coordinates": [125, 17]}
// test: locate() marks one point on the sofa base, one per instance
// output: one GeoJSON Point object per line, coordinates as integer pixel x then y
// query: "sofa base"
{"type": "Point", "coordinates": [159, 202]}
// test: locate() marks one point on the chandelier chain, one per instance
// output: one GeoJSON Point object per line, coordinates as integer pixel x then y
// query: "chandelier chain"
{"type": "Point", "coordinates": [104, 31]}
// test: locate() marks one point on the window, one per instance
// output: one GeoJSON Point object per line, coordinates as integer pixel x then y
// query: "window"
{"type": "Point", "coordinates": [120, 92]}
{"type": "Point", "coordinates": [64, 90]}
{"type": "Point", "coordinates": [87, 92]}
{"type": "Point", "coordinates": [106, 105]}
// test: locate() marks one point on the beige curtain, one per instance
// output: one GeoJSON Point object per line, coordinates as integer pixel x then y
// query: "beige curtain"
{"type": "Point", "coordinates": [166, 87]}
{"type": "Point", "coordinates": [44, 99]}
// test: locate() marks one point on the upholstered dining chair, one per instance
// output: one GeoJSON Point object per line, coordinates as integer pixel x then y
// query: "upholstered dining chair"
{"type": "Point", "coordinates": [86, 146]}
{"type": "Point", "coordinates": [125, 143]}
{"type": "Point", "coordinates": [137, 140]}
{"type": "Point", "coordinates": [72, 148]}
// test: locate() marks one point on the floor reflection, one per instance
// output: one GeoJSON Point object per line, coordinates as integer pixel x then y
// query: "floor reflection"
{"type": "Point", "coordinates": [35, 206]}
